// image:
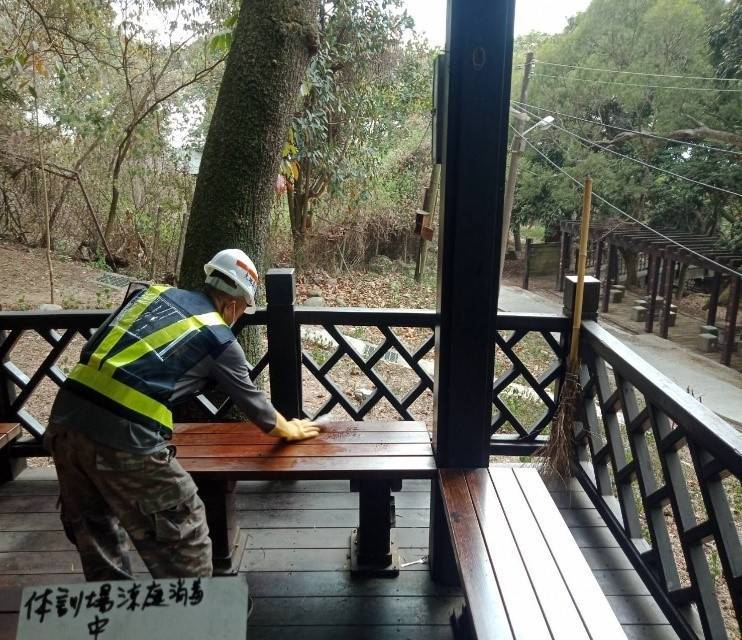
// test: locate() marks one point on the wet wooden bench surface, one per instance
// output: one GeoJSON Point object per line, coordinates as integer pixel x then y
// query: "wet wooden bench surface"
{"type": "Point", "coordinates": [375, 456]}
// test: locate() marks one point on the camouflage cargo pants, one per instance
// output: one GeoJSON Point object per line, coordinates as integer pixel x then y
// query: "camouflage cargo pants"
{"type": "Point", "coordinates": [151, 496]}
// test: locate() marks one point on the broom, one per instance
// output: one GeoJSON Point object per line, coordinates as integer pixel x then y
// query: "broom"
{"type": "Point", "coordinates": [557, 453]}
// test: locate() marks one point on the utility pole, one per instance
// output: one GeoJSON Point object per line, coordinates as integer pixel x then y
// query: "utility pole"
{"type": "Point", "coordinates": [516, 153]}
{"type": "Point", "coordinates": [431, 197]}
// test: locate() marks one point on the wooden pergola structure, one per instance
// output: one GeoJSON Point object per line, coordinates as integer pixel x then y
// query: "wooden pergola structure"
{"type": "Point", "coordinates": [667, 250]}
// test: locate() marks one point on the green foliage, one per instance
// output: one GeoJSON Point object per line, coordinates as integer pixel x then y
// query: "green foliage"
{"type": "Point", "coordinates": [673, 38]}
{"type": "Point", "coordinates": [725, 42]}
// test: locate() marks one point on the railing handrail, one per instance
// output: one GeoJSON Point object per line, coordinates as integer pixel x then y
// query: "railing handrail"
{"type": "Point", "coordinates": [698, 422]}
{"type": "Point", "coordinates": [429, 318]}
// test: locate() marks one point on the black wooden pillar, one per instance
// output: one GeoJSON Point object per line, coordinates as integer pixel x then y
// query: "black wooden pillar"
{"type": "Point", "coordinates": [598, 257]}
{"type": "Point", "coordinates": [284, 343]}
{"type": "Point", "coordinates": [735, 288]}
{"type": "Point", "coordinates": [563, 259]}
{"type": "Point", "coordinates": [7, 390]}
{"type": "Point", "coordinates": [669, 279]}
{"type": "Point", "coordinates": [654, 284]}
{"type": "Point", "coordinates": [479, 44]}
{"type": "Point", "coordinates": [527, 264]}
{"type": "Point", "coordinates": [714, 299]}
{"type": "Point", "coordinates": [609, 276]}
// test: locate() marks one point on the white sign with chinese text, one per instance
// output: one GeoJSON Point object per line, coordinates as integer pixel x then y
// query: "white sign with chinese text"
{"type": "Point", "coordinates": [172, 609]}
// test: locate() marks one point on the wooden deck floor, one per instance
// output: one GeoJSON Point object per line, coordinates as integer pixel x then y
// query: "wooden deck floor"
{"type": "Point", "coordinates": [297, 563]}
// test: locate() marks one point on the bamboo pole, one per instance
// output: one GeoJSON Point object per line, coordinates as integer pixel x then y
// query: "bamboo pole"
{"type": "Point", "coordinates": [558, 451]}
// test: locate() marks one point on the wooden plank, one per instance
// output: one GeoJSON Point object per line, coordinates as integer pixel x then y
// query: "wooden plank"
{"type": "Point", "coordinates": [593, 537]}
{"type": "Point", "coordinates": [316, 559]}
{"type": "Point", "coordinates": [297, 518]}
{"type": "Point", "coordinates": [300, 451]}
{"type": "Point", "coordinates": [52, 562]}
{"type": "Point", "coordinates": [30, 488]}
{"type": "Point", "coordinates": [355, 611]}
{"type": "Point", "coordinates": [478, 578]}
{"type": "Point", "coordinates": [324, 538]}
{"type": "Point", "coordinates": [605, 559]}
{"type": "Point", "coordinates": [523, 611]}
{"type": "Point", "coordinates": [335, 427]}
{"type": "Point", "coordinates": [28, 504]}
{"type": "Point", "coordinates": [560, 611]}
{"type": "Point", "coordinates": [312, 468]}
{"type": "Point", "coordinates": [15, 580]}
{"type": "Point", "coordinates": [339, 583]}
{"type": "Point", "coordinates": [418, 632]}
{"type": "Point", "coordinates": [38, 541]}
{"type": "Point", "coordinates": [30, 522]}
{"type": "Point", "coordinates": [581, 518]}
{"type": "Point", "coordinates": [650, 632]}
{"type": "Point", "coordinates": [8, 625]}
{"type": "Point", "coordinates": [636, 609]}
{"type": "Point", "coordinates": [403, 500]}
{"type": "Point", "coordinates": [318, 486]}
{"type": "Point", "coordinates": [594, 609]}
{"type": "Point", "coordinates": [571, 500]}
{"type": "Point", "coordinates": [621, 582]}
{"type": "Point", "coordinates": [326, 437]}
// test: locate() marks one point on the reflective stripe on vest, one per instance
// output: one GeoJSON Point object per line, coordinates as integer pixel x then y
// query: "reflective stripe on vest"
{"type": "Point", "coordinates": [124, 323]}
{"type": "Point", "coordinates": [98, 373]}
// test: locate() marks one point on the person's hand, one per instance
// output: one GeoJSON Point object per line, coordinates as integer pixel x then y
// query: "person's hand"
{"type": "Point", "coordinates": [296, 429]}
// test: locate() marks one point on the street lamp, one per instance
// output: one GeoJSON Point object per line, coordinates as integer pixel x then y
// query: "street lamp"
{"type": "Point", "coordinates": [516, 152]}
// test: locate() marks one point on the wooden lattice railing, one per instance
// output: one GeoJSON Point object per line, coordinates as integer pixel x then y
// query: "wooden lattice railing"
{"type": "Point", "coordinates": [665, 473]}
{"type": "Point", "coordinates": [663, 470]}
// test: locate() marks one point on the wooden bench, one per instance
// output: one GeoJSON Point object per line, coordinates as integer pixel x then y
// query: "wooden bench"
{"type": "Point", "coordinates": [521, 571]}
{"type": "Point", "coordinates": [9, 467]}
{"type": "Point", "coordinates": [374, 456]}
{"type": "Point", "coordinates": [9, 431]}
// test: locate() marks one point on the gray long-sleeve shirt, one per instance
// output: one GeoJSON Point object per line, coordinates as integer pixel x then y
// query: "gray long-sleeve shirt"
{"type": "Point", "coordinates": [229, 371]}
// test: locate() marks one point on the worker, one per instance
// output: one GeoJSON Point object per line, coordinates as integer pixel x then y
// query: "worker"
{"type": "Point", "coordinates": [111, 422]}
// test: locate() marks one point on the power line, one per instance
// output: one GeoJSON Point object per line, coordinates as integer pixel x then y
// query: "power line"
{"type": "Point", "coordinates": [721, 267]}
{"type": "Point", "coordinates": [635, 84]}
{"type": "Point", "coordinates": [638, 73]}
{"type": "Point", "coordinates": [641, 133]}
{"type": "Point", "coordinates": [641, 162]}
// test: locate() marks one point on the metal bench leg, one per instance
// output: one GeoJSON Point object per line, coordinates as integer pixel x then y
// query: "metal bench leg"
{"type": "Point", "coordinates": [221, 516]}
{"type": "Point", "coordinates": [373, 549]}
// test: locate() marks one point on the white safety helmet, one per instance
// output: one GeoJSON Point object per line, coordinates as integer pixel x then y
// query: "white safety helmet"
{"type": "Point", "coordinates": [234, 264]}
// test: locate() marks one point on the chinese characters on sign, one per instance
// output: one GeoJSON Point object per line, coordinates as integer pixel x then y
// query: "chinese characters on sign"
{"type": "Point", "coordinates": [102, 610]}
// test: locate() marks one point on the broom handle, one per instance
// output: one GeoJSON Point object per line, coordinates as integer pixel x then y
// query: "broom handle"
{"type": "Point", "coordinates": [581, 264]}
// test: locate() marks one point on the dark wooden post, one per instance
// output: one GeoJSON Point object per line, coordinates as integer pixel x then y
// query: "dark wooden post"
{"type": "Point", "coordinates": [284, 343]}
{"type": "Point", "coordinates": [654, 283]}
{"type": "Point", "coordinates": [650, 267]}
{"type": "Point", "coordinates": [598, 258]}
{"type": "Point", "coordinates": [564, 259]}
{"type": "Point", "coordinates": [669, 277]}
{"type": "Point", "coordinates": [609, 275]}
{"type": "Point", "coordinates": [480, 46]}
{"type": "Point", "coordinates": [10, 468]}
{"type": "Point", "coordinates": [7, 389]}
{"type": "Point", "coordinates": [714, 299]}
{"type": "Point", "coordinates": [527, 264]}
{"type": "Point", "coordinates": [731, 322]}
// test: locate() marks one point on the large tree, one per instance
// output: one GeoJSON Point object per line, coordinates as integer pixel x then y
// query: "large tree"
{"type": "Point", "coordinates": [272, 43]}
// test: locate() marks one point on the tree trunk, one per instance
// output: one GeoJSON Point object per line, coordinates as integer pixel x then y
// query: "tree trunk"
{"type": "Point", "coordinates": [631, 261]}
{"type": "Point", "coordinates": [273, 40]}
{"type": "Point", "coordinates": [518, 246]}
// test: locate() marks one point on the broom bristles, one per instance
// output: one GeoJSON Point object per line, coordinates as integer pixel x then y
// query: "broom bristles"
{"type": "Point", "coordinates": [557, 453]}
